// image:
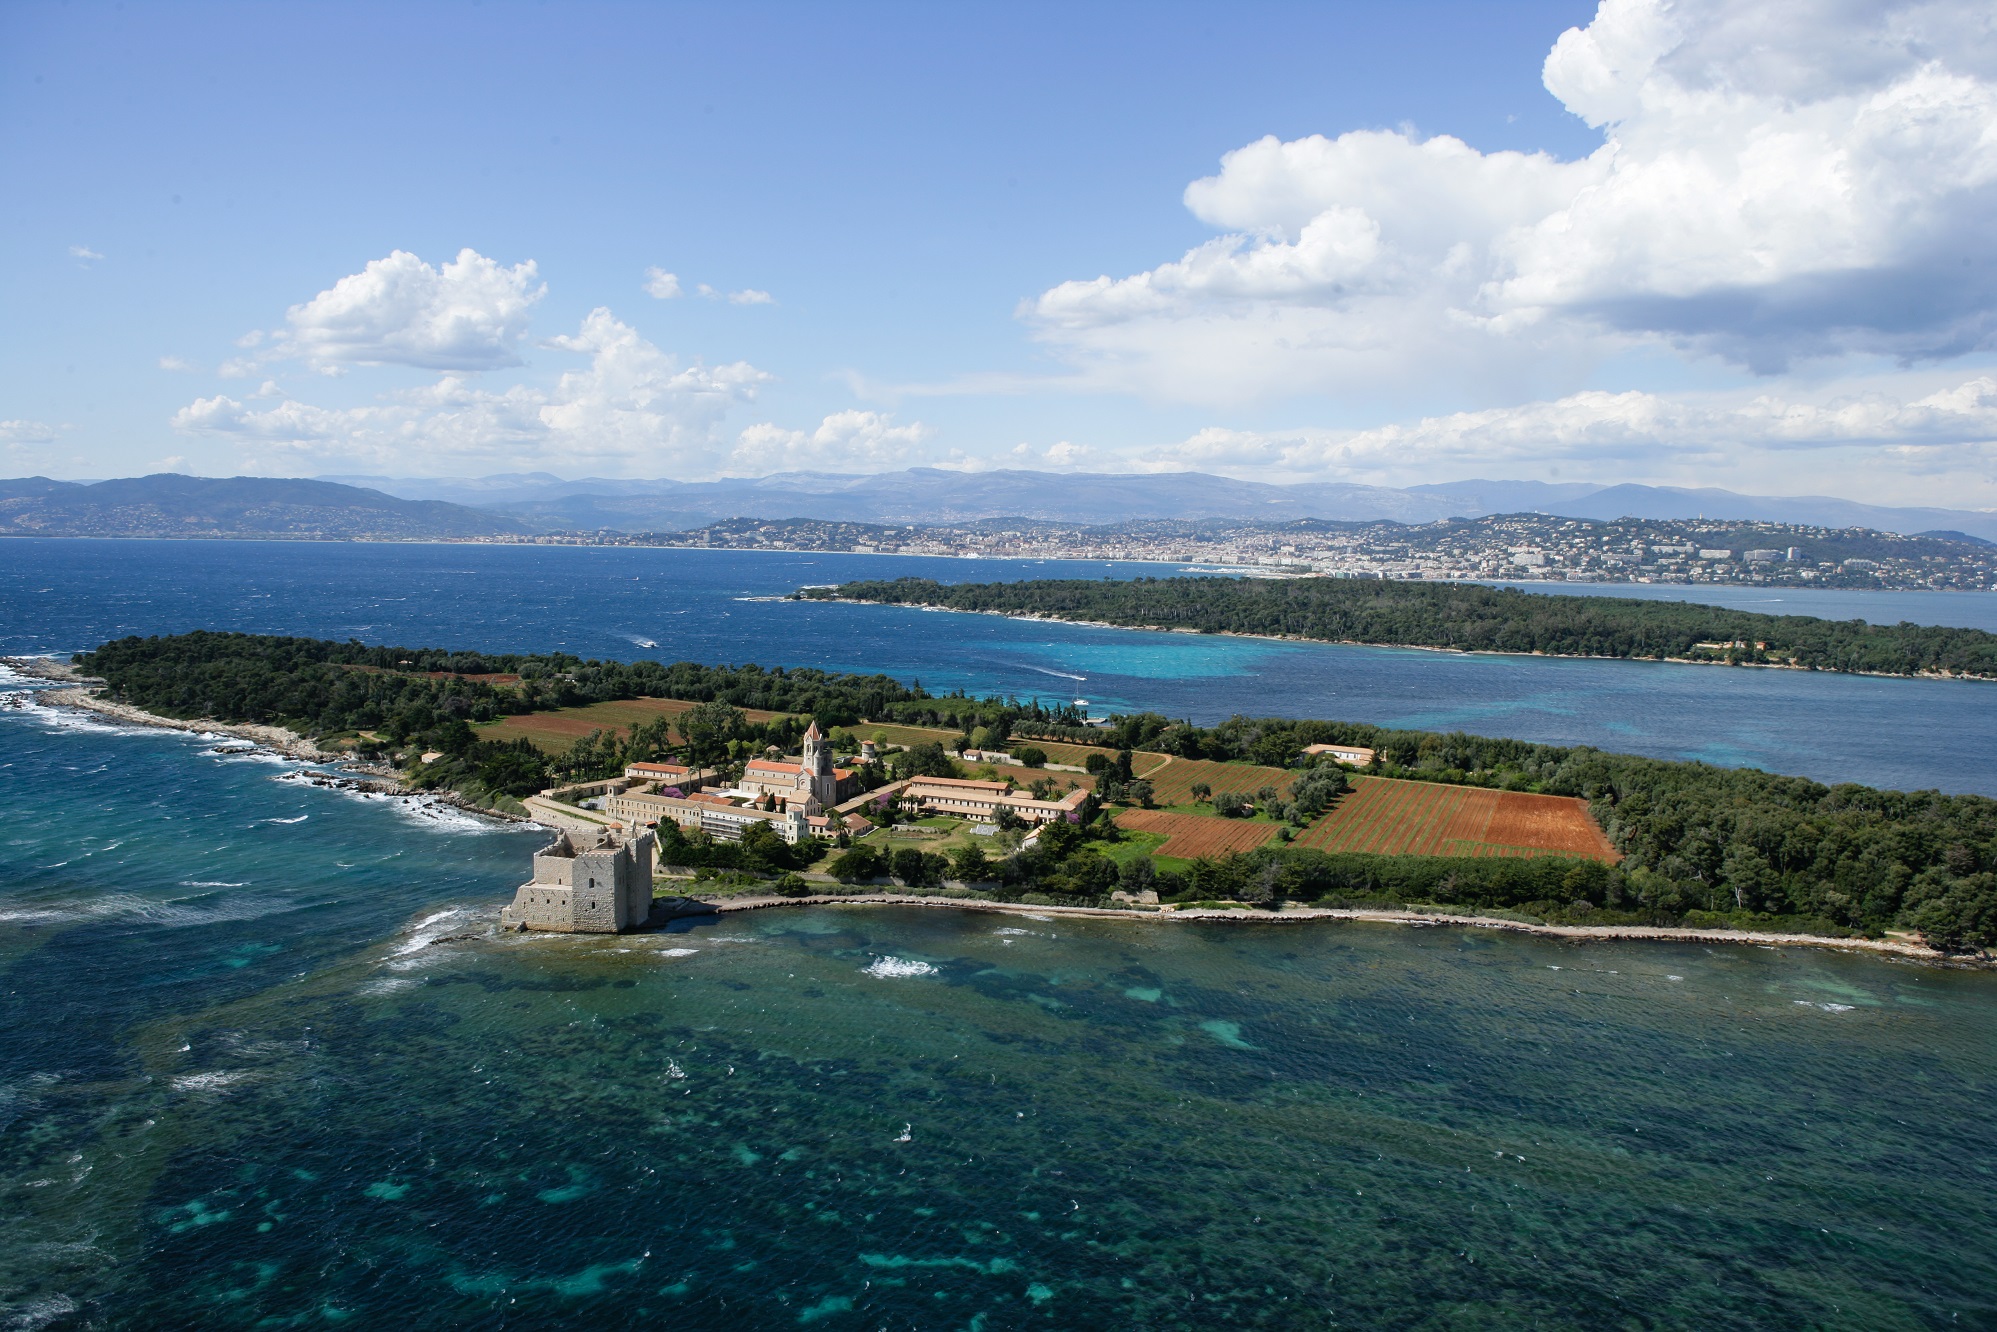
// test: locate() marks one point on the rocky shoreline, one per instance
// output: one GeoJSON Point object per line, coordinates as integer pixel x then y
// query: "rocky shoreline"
{"type": "Point", "coordinates": [79, 691]}
{"type": "Point", "coordinates": [1292, 914]}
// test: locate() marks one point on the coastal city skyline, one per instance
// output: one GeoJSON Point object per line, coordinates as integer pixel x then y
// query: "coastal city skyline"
{"type": "Point", "coordinates": [1317, 243]}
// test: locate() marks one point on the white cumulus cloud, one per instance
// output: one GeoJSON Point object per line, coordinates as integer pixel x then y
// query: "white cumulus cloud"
{"type": "Point", "coordinates": [630, 406]}
{"type": "Point", "coordinates": [468, 314]}
{"type": "Point", "coordinates": [857, 441]}
{"type": "Point", "coordinates": [1616, 436]}
{"type": "Point", "coordinates": [1792, 179]}
{"type": "Point", "coordinates": [28, 432]}
{"type": "Point", "coordinates": [662, 285]}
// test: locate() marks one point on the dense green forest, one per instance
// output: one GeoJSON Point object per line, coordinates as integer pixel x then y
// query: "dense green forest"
{"type": "Point", "coordinates": [1466, 616]}
{"type": "Point", "coordinates": [1699, 844]}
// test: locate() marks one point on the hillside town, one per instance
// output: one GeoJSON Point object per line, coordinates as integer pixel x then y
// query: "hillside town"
{"type": "Point", "coordinates": [1527, 547]}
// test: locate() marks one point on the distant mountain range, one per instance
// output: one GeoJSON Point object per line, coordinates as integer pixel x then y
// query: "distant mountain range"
{"type": "Point", "coordinates": [931, 495]}
{"type": "Point", "coordinates": [351, 507]}
{"type": "Point", "coordinates": [170, 505]}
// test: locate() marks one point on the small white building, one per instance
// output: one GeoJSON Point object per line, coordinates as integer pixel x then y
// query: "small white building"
{"type": "Point", "coordinates": [1355, 756]}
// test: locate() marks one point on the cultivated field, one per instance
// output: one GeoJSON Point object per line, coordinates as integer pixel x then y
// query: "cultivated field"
{"type": "Point", "coordinates": [1188, 836]}
{"type": "Point", "coordinates": [1074, 756]}
{"type": "Point", "coordinates": [1172, 783]}
{"type": "Point", "coordinates": [555, 731]}
{"type": "Point", "coordinates": [1386, 816]}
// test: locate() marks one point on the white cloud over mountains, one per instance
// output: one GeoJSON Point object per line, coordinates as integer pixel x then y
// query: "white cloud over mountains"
{"type": "Point", "coordinates": [631, 403]}
{"type": "Point", "coordinates": [630, 407]}
{"type": "Point", "coordinates": [1789, 180]}
{"type": "Point", "coordinates": [1612, 436]}
{"type": "Point", "coordinates": [855, 440]}
{"type": "Point", "coordinates": [467, 314]}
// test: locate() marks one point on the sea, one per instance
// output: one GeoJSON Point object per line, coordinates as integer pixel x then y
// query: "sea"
{"type": "Point", "coordinates": [266, 1062]}
{"type": "Point", "coordinates": [716, 606]}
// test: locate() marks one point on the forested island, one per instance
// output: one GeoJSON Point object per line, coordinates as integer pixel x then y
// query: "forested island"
{"type": "Point", "coordinates": [1698, 844]}
{"type": "Point", "coordinates": [1467, 617]}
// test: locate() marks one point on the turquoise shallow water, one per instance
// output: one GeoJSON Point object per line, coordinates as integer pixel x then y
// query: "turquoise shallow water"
{"type": "Point", "coordinates": [264, 1063]}
{"type": "Point", "coordinates": [727, 606]}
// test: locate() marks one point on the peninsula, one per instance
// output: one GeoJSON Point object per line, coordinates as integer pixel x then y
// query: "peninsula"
{"type": "Point", "coordinates": [1457, 616]}
{"type": "Point", "coordinates": [1265, 814]}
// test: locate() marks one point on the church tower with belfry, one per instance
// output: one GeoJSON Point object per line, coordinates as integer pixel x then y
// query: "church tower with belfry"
{"type": "Point", "coordinates": [820, 780]}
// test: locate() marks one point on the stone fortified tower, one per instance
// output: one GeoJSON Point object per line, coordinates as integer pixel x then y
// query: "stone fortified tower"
{"type": "Point", "coordinates": [601, 886]}
{"type": "Point", "coordinates": [817, 765]}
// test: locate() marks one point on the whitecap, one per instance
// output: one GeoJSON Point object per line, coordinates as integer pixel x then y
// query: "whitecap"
{"type": "Point", "coordinates": [212, 883]}
{"type": "Point", "coordinates": [204, 1082]}
{"type": "Point", "coordinates": [35, 1314]}
{"type": "Point", "coordinates": [678, 952]}
{"type": "Point", "coordinates": [426, 932]}
{"type": "Point", "coordinates": [1011, 929]}
{"type": "Point", "coordinates": [895, 968]}
{"type": "Point", "coordinates": [300, 819]}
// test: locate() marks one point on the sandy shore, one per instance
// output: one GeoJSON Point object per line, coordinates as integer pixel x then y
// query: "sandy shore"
{"type": "Point", "coordinates": [1296, 914]}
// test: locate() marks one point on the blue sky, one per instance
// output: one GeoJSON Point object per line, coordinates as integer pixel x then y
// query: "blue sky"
{"type": "Point", "coordinates": [1673, 242]}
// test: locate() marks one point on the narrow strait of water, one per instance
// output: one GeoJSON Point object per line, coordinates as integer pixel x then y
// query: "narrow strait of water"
{"type": "Point", "coordinates": [264, 1062]}
{"type": "Point", "coordinates": [727, 606]}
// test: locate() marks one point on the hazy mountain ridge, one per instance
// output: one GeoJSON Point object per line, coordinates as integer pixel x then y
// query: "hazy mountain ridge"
{"type": "Point", "coordinates": [511, 505]}
{"type": "Point", "coordinates": [168, 504]}
{"type": "Point", "coordinates": [932, 495]}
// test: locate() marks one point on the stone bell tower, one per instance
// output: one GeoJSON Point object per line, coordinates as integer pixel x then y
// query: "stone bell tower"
{"type": "Point", "coordinates": [820, 780]}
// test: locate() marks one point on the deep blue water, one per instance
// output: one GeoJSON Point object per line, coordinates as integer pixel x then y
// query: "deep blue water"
{"type": "Point", "coordinates": [264, 1062]}
{"type": "Point", "coordinates": [708, 606]}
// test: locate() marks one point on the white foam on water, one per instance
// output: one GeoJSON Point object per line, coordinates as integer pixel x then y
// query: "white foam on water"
{"type": "Point", "coordinates": [1828, 1008]}
{"type": "Point", "coordinates": [209, 1082]}
{"type": "Point", "coordinates": [896, 968]}
{"type": "Point", "coordinates": [678, 952]}
{"type": "Point", "coordinates": [36, 1314]}
{"type": "Point", "coordinates": [212, 883]}
{"type": "Point", "coordinates": [55, 719]}
{"type": "Point", "coordinates": [429, 812]}
{"type": "Point", "coordinates": [10, 676]}
{"type": "Point", "coordinates": [430, 929]}
{"type": "Point", "coordinates": [300, 819]}
{"type": "Point", "coordinates": [1011, 929]}
{"type": "Point", "coordinates": [258, 754]}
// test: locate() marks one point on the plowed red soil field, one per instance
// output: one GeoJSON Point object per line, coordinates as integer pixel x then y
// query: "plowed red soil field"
{"type": "Point", "coordinates": [1389, 817]}
{"type": "Point", "coordinates": [1193, 835]}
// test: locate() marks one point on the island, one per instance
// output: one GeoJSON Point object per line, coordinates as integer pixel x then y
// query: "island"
{"type": "Point", "coordinates": [822, 784]}
{"type": "Point", "coordinates": [1464, 617]}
